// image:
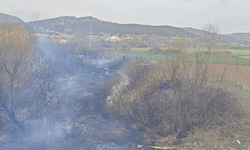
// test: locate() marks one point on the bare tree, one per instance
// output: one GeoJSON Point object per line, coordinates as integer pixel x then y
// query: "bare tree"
{"type": "Point", "coordinates": [1, 86]}
{"type": "Point", "coordinates": [25, 76]}
{"type": "Point", "coordinates": [211, 38]}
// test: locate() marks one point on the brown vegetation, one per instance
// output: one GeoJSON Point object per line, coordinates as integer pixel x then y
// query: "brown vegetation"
{"type": "Point", "coordinates": [174, 98]}
{"type": "Point", "coordinates": [24, 77]}
{"type": "Point", "coordinates": [167, 98]}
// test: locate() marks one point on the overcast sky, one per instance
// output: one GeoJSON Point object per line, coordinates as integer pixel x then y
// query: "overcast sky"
{"type": "Point", "coordinates": [232, 15]}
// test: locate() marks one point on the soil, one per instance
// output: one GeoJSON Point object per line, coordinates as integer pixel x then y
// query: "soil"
{"type": "Point", "coordinates": [239, 74]}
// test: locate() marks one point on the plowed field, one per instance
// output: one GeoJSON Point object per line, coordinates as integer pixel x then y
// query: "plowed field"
{"type": "Point", "coordinates": [238, 74]}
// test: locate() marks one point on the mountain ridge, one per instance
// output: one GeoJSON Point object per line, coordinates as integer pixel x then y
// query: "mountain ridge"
{"type": "Point", "coordinates": [239, 38]}
{"type": "Point", "coordinates": [73, 24]}
{"type": "Point", "coordinates": [9, 18]}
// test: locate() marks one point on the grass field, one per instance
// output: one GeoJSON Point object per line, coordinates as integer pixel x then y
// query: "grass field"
{"type": "Point", "coordinates": [236, 60]}
{"type": "Point", "coordinates": [240, 74]}
{"type": "Point", "coordinates": [140, 48]}
{"type": "Point", "coordinates": [244, 130]}
{"type": "Point", "coordinates": [245, 56]}
{"type": "Point", "coordinates": [238, 52]}
{"type": "Point", "coordinates": [240, 57]}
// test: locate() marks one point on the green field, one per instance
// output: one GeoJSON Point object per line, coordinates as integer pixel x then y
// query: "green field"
{"type": "Point", "coordinates": [235, 60]}
{"type": "Point", "coordinates": [240, 57]}
{"type": "Point", "coordinates": [140, 48]}
{"type": "Point", "coordinates": [239, 52]}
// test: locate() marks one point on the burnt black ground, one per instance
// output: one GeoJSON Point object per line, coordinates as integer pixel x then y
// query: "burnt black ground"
{"type": "Point", "coordinates": [82, 122]}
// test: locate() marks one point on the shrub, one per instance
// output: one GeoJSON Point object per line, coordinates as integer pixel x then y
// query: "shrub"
{"type": "Point", "coordinates": [174, 97]}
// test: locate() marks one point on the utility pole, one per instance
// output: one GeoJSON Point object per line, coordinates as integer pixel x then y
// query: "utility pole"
{"type": "Point", "coordinates": [90, 34]}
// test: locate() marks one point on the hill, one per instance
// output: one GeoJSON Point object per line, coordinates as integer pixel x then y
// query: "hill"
{"type": "Point", "coordinates": [239, 38]}
{"type": "Point", "coordinates": [9, 18]}
{"type": "Point", "coordinates": [193, 31]}
{"type": "Point", "coordinates": [70, 25]}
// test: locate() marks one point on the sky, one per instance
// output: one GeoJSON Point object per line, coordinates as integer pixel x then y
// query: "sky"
{"type": "Point", "coordinates": [232, 15]}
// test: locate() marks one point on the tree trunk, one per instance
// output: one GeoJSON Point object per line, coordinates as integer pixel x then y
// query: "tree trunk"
{"type": "Point", "coordinates": [1, 127]}
{"type": "Point", "coordinates": [18, 123]}
{"type": "Point", "coordinates": [13, 118]}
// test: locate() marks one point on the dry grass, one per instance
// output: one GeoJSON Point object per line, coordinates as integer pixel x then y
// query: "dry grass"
{"type": "Point", "coordinates": [214, 112]}
{"type": "Point", "coordinates": [219, 138]}
{"type": "Point", "coordinates": [171, 102]}
{"type": "Point", "coordinates": [178, 102]}
{"type": "Point", "coordinates": [238, 74]}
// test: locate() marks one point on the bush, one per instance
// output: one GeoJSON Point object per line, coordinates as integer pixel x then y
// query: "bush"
{"type": "Point", "coordinates": [172, 98]}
